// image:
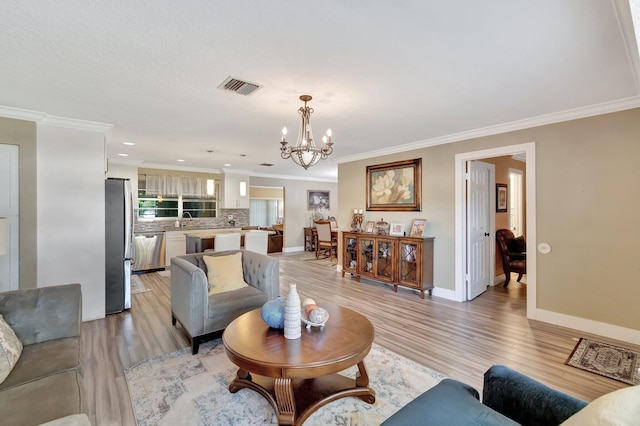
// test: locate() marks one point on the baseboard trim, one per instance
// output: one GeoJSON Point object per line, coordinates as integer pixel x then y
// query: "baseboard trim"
{"type": "Point", "coordinates": [445, 294]}
{"type": "Point", "coordinates": [292, 249]}
{"type": "Point", "coordinates": [589, 326]}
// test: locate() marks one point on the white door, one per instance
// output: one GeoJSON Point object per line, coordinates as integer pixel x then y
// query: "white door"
{"type": "Point", "coordinates": [9, 218]}
{"type": "Point", "coordinates": [478, 227]}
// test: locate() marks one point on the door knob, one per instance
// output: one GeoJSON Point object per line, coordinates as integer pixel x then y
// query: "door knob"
{"type": "Point", "coordinates": [486, 234]}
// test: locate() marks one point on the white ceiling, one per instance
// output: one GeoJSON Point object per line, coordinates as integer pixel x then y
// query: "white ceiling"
{"type": "Point", "coordinates": [382, 73]}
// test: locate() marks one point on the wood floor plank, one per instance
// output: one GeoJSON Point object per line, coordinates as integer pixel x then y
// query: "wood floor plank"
{"type": "Point", "coordinates": [460, 340]}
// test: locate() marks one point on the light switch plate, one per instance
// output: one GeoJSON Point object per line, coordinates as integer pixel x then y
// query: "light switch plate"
{"type": "Point", "coordinates": [544, 248]}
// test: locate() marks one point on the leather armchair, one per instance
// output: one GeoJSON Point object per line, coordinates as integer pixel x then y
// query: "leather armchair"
{"type": "Point", "coordinates": [202, 315]}
{"type": "Point", "coordinates": [511, 261]}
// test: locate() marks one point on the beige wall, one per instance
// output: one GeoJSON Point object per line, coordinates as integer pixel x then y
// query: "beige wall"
{"type": "Point", "coordinates": [266, 193]}
{"type": "Point", "coordinates": [24, 134]}
{"type": "Point", "coordinates": [586, 210]}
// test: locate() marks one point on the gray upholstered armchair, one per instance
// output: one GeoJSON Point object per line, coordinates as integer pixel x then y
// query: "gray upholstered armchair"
{"type": "Point", "coordinates": [201, 314]}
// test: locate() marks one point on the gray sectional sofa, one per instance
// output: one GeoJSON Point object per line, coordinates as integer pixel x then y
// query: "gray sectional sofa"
{"type": "Point", "coordinates": [46, 383]}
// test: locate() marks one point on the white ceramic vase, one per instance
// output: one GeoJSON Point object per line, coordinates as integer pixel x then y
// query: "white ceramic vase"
{"type": "Point", "coordinates": [292, 322]}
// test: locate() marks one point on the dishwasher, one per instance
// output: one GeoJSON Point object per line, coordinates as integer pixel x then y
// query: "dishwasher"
{"type": "Point", "coordinates": [148, 252]}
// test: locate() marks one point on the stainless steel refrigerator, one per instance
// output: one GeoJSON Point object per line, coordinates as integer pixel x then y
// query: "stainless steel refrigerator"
{"type": "Point", "coordinates": [118, 244]}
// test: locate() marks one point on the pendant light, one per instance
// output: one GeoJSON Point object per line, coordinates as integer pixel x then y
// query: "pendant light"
{"type": "Point", "coordinates": [210, 182]}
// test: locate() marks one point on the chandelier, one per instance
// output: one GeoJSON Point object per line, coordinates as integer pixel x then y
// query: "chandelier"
{"type": "Point", "coordinates": [306, 153]}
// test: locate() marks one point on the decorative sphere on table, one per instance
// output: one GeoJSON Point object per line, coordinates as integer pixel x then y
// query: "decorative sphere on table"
{"type": "Point", "coordinates": [318, 316]}
{"type": "Point", "coordinates": [272, 313]}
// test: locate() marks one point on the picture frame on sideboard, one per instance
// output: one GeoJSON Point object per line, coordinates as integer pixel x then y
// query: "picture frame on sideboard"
{"type": "Point", "coordinates": [396, 229]}
{"type": "Point", "coordinates": [417, 227]}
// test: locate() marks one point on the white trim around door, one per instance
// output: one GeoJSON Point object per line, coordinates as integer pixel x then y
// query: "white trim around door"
{"type": "Point", "coordinates": [460, 217]}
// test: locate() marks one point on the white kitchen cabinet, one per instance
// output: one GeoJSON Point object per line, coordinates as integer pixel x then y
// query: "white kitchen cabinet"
{"type": "Point", "coordinates": [231, 198]}
{"type": "Point", "coordinates": [175, 245]}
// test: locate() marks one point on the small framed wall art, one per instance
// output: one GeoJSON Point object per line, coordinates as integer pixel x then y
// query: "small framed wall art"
{"type": "Point", "coordinates": [501, 198]}
{"type": "Point", "coordinates": [318, 200]}
{"type": "Point", "coordinates": [417, 227]}
{"type": "Point", "coordinates": [397, 229]}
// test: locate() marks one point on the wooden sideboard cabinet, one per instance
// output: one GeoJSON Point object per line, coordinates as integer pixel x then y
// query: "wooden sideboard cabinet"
{"type": "Point", "coordinates": [405, 261]}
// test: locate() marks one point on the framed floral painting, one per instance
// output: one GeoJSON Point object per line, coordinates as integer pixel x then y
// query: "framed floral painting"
{"type": "Point", "coordinates": [395, 186]}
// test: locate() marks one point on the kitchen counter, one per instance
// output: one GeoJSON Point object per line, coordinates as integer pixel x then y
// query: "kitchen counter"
{"type": "Point", "coordinates": [197, 242]}
{"type": "Point", "coordinates": [211, 234]}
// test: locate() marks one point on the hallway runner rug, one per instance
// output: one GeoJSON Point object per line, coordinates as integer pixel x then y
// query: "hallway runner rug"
{"type": "Point", "coordinates": [183, 389]}
{"type": "Point", "coordinates": [607, 360]}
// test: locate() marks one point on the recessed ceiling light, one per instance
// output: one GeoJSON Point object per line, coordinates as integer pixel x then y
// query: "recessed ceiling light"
{"type": "Point", "coordinates": [227, 165]}
{"type": "Point", "coordinates": [128, 143]}
{"type": "Point", "coordinates": [180, 160]}
{"type": "Point", "coordinates": [123, 155]}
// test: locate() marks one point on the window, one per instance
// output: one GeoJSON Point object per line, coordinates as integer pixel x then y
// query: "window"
{"type": "Point", "coordinates": [157, 202]}
{"type": "Point", "coordinates": [266, 212]}
{"type": "Point", "coordinates": [199, 206]}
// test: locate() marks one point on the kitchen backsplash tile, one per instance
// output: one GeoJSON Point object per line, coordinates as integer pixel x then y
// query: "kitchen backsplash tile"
{"type": "Point", "coordinates": [240, 216]}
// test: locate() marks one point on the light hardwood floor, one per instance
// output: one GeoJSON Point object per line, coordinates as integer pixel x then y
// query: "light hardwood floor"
{"type": "Point", "coordinates": [460, 340]}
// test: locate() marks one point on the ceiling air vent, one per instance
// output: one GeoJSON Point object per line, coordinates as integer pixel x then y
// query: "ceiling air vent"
{"type": "Point", "coordinates": [239, 86]}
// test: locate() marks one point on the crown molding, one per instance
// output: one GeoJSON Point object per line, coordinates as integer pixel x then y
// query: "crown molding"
{"type": "Point", "coordinates": [21, 114]}
{"type": "Point", "coordinates": [144, 165]}
{"type": "Point", "coordinates": [72, 123]}
{"type": "Point", "coordinates": [42, 118]}
{"type": "Point", "coordinates": [542, 120]}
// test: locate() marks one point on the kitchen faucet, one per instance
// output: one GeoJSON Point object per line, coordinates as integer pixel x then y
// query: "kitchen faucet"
{"type": "Point", "coordinates": [190, 218]}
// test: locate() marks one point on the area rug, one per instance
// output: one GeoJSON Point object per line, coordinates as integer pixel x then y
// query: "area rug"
{"type": "Point", "coordinates": [183, 389]}
{"type": "Point", "coordinates": [165, 273]}
{"type": "Point", "coordinates": [137, 286]}
{"type": "Point", "coordinates": [607, 360]}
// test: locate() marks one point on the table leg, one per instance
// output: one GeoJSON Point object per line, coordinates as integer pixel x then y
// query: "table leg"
{"type": "Point", "coordinates": [242, 376]}
{"type": "Point", "coordinates": [286, 401]}
{"type": "Point", "coordinates": [362, 380]}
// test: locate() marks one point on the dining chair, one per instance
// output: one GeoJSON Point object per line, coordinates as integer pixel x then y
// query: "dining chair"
{"type": "Point", "coordinates": [224, 242]}
{"type": "Point", "coordinates": [256, 241]}
{"type": "Point", "coordinates": [325, 242]}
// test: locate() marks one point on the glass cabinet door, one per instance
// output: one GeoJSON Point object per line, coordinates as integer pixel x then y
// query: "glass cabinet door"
{"type": "Point", "coordinates": [350, 254]}
{"type": "Point", "coordinates": [384, 267]}
{"type": "Point", "coordinates": [366, 255]}
{"type": "Point", "coordinates": [410, 255]}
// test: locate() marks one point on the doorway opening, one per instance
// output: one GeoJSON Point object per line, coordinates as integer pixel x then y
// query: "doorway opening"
{"type": "Point", "coordinates": [461, 220]}
{"type": "Point", "coordinates": [515, 202]}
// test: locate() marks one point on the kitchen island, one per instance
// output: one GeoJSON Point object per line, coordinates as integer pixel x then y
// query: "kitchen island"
{"type": "Point", "coordinates": [197, 242]}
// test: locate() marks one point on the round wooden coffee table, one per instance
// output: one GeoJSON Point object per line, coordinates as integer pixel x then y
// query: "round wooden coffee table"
{"type": "Point", "coordinates": [299, 376]}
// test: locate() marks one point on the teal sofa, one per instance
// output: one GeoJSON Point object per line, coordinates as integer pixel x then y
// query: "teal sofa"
{"type": "Point", "coordinates": [46, 383]}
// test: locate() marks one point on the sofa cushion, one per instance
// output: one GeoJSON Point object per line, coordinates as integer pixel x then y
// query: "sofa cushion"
{"type": "Point", "coordinates": [621, 407]}
{"type": "Point", "coordinates": [224, 273]}
{"type": "Point", "coordinates": [43, 400]}
{"type": "Point", "coordinates": [44, 359]}
{"type": "Point", "coordinates": [234, 303]}
{"type": "Point", "coordinates": [449, 403]}
{"type": "Point", "coordinates": [10, 349]}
